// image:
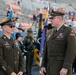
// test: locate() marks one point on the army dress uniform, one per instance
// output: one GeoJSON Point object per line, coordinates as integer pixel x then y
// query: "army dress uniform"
{"type": "Point", "coordinates": [29, 47]}
{"type": "Point", "coordinates": [29, 44]}
{"type": "Point", "coordinates": [11, 59]}
{"type": "Point", "coordinates": [59, 51]}
{"type": "Point", "coordinates": [20, 43]}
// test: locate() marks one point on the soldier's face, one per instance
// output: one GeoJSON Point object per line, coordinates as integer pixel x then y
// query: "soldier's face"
{"type": "Point", "coordinates": [9, 29]}
{"type": "Point", "coordinates": [50, 21]}
{"type": "Point", "coordinates": [29, 34]}
{"type": "Point", "coordinates": [55, 21]}
{"type": "Point", "coordinates": [19, 38]}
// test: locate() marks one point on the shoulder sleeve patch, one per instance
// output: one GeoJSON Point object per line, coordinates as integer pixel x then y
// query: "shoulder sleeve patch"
{"type": "Point", "coordinates": [72, 33]}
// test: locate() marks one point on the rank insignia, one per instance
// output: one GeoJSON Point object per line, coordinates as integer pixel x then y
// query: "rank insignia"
{"type": "Point", "coordinates": [4, 37]}
{"type": "Point", "coordinates": [72, 33]}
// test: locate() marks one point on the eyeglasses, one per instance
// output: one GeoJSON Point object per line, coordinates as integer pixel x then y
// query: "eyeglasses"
{"type": "Point", "coordinates": [12, 26]}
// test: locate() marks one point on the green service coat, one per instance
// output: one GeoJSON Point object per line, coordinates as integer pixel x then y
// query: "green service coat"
{"type": "Point", "coordinates": [59, 51]}
{"type": "Point", "coordinates": [11, 59]}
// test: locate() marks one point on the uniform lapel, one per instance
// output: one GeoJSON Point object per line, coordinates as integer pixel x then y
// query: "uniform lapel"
{"type": "Point", "coordinates": [10, 42]}
{"type": "Point", "coordinates": [50, 34]}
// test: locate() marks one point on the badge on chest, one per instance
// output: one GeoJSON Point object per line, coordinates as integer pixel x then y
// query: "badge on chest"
{"type": "Point", "coordinates": [60, 35]}
{"type": "Point", "coordinates": [7, 45]}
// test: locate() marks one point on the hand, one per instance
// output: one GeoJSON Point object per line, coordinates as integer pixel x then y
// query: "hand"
{"type": "Point", "coordinates": [63, 71]}
{"type": "Point", "coordinates": [20, 73]}
{"type": "Point", "coordinates": [49, 22]}
{"type": "Point", "coordinates": [13, 73]}
{"type": "Point", "coordinates": [43, 70]}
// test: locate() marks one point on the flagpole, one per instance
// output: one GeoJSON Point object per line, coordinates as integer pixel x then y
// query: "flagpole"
{"type": "Point", "coordinates": [39, 34]}
{"type": "Point", "coordinates": [49, 6]}
{"type": "Point", "coordinates": [43, 36]}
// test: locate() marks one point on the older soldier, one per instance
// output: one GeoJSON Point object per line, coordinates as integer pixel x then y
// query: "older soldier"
{"type": "Point", "coordinates": [59, 50]}
{"type": "Point", "coordinates": [11, 59]}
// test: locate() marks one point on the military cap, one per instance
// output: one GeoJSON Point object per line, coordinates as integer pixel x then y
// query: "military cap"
{"type": "Point", "coordinates": [56, 13]}
{"type": "Point", "coordinates": [29, 30]}
{"type": "Point", "coordinates": [7, 21]}
{"type": "Point", "coordinates": [18, 35]}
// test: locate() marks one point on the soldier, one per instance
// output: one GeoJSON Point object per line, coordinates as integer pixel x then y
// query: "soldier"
{"type": "Point", "coordinates": [29, 47]}
{"type": "Point", "coordinates": [11, 59]}
{"type": "Point", "coordinates": [59, 50]}
{"type": "Point", "coordinates": [20, 43]}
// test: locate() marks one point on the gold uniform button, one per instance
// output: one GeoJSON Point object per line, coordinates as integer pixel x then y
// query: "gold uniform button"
{"type": "Point", "coordinates": [15, 62]}
{"type": "Point", "coordinates": [15, 58]}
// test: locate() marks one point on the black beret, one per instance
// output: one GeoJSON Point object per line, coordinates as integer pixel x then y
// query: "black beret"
{"type": "Point", "coordinates": [5, 21]}
{"type": "Point", "coordinates": [56, 13]}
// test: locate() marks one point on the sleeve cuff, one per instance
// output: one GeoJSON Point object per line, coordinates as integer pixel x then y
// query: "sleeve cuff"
{"type": "Point", "coordinates": [67, 65]}
{"type": "Point", "coordinates": [9, 70]}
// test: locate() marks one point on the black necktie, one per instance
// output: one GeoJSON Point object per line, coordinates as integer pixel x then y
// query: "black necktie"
{"type": "Point", "coordinates": [55, 30]}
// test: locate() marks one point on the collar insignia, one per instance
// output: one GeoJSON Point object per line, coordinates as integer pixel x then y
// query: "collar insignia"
{"type": "Point", "coordinates": [4, 37]}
